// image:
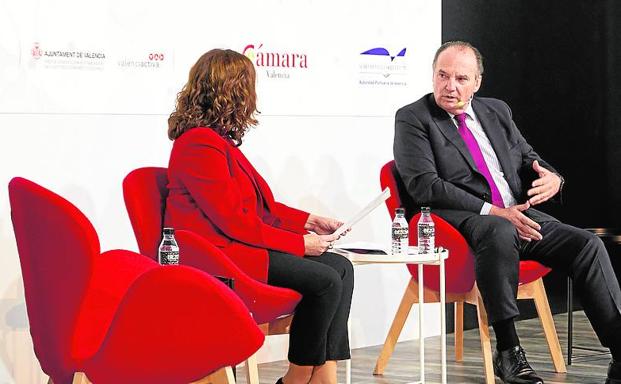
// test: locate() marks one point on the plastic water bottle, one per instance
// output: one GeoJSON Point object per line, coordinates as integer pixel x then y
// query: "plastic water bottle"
{"type": "Point", "coordinates": [168, 252]}
{"type": "Point", "coordinates": [426, 232]}
{"type": "Point", "coordinates": [400, 233]}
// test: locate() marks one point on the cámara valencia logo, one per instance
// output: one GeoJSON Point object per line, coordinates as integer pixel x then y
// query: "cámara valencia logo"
{"type": "Point", "coordinates": [278, 64]}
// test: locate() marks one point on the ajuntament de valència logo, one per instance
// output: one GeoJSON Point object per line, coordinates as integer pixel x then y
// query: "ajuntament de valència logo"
{"type": "Point", "coordinates": [78, 59]}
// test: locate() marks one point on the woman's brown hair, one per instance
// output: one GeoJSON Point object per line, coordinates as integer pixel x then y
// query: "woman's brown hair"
{"type": "Point", "coordinates": [220, 94]}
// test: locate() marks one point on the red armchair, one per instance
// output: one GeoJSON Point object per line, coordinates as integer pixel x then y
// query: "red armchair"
{"type": "Point", "coordinates": [119, 317]}
{"type": "Point", "coordinates": [460, 285]}
{"type": "Point", "coordinates": [145, 193]}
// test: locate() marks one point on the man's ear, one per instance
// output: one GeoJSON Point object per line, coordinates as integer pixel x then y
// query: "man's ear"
{"type": "Point", "coordinates": [478, 81]}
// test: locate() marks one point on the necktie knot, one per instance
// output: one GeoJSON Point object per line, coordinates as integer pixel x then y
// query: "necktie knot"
{"type": "Point", "coordinates": [461, 118]}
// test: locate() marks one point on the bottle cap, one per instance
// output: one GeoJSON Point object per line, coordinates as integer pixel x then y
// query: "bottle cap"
{"type": "Point", "coordinates": [169, 231]}
{"type": "Point", "coordinates": [400, 211]}
{"type": "Point", "coordinates": [425, 209]}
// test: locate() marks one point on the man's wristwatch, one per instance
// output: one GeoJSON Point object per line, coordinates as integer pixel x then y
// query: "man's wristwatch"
{"type": "Point", "coordinates": [560, 188]}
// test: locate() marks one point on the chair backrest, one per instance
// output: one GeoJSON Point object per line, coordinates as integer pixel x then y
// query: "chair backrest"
{"type": "Point", "coordinates": [145, 192]}
{"type": "Point", "coordinates": [57, 246]}
{"type": "Point", "coordinates": [389, 178]}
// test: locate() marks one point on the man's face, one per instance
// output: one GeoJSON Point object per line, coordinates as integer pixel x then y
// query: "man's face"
{"type": "Point", "coordinates": [455, 79]}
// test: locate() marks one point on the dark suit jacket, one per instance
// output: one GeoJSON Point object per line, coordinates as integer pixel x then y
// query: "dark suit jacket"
{"type": "Point", "coordinates": [216, 192]}
{"type": "Point", "coordinates": [438, 170]}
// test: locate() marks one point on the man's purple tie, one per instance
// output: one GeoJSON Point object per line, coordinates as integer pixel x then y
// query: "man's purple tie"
{"type": "Point", "coordinates": [478, 158]}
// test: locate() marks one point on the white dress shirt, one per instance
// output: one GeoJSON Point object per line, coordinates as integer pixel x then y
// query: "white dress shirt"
{"type": "Point", "coordinates": [490, 159]}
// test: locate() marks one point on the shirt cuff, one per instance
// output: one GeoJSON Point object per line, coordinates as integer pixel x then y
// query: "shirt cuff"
{"type": "Point", "coordinates": [486, 208]}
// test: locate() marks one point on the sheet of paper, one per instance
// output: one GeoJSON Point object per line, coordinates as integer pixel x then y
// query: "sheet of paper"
{"type": "Point", "coordinates": [363, 247]}
{"type": "Point", "coordinates": [364, 211]}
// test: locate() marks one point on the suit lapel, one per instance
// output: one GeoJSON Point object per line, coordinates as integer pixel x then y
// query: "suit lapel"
{"type": "Point", "coordinates": [247, 168]}
{"type": "Point", "coordinates": [492, 127]}
{"type": "Point", "coordinates": [449, 130]}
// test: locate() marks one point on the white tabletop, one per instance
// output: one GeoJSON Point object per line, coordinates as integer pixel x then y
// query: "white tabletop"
{"type": "Point", "coordinates": [412, 257]}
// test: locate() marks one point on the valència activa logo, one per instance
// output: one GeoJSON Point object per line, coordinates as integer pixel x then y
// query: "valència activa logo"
{"type": "Point", "coordinates": [67, 58]}
{"type": "Point", "coordinates": [380, 67]}
{"type": "Point", "coordinates": [144, 60]}
{"type": "Point", "coordinates": [277, 64]}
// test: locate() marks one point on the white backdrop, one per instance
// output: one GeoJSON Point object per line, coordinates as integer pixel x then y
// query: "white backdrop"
{"type": "Point", "coordinates": [86, 87]}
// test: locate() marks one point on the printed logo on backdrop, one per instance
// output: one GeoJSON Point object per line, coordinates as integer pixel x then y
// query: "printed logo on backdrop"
{"type": "Point", "coordinates": [146, 60]}
{"type": "Point", "coordinates": [37, 52]}
{"type": "Point", "coordinates": [63, 58]}
{"type": "Point", "coordinates": [274, 63]}
{"type": "Point", "coordinates": [381, 67]}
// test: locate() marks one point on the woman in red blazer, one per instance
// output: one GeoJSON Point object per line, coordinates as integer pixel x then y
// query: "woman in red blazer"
{"type": "Point", "coordinates": [216, 192]}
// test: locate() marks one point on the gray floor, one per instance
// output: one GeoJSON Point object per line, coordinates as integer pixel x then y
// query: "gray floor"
{"type": "Point", "coordinates": [403, 366]}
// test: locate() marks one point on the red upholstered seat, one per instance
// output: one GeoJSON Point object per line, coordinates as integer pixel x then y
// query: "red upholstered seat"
{"type": "Point", "coordinates": [460, 266]}
{"type": "Point", "coordinates": [145, 193]}
{"type": "Point", "coordinates": [118, 317]}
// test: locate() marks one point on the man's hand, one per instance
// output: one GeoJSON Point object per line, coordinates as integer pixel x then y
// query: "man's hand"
{"type": "Point", "coordinates": [527, 229]}
{"type": "Point", "coordinates": [546, 186]}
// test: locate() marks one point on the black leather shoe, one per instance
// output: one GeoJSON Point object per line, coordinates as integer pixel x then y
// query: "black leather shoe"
{"type": "Point", "coordinates": [512, 368]}
{"type": "Point", "coordinates": [614, 372]}
{"type": "Point", "coordinates": [279, 381]}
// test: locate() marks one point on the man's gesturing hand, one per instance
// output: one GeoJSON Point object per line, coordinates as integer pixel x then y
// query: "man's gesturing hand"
{"type": "Point", "coordinates": [546, 186]}
{"type": "Point", "coordinates": [527, 229]}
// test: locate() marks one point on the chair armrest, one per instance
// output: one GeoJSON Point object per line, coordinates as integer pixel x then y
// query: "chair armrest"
{"type": "Point", "coordinates": [113, 273]}
{"type": "Point", "coordinates": [175, 324]}
{"type": "Point", "coordinates": [200, 253]}
{"type": "Point", "coordinates": [116, 270]}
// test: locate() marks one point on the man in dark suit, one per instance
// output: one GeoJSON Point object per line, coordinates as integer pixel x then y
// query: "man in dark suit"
{"type": "Point", "coordinates": [464, 156]}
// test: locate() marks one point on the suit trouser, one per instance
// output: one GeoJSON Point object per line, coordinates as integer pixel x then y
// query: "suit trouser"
{"type": "Point", "coordinates": [319, 326]}
{"type": "Point", "coordinates": [576, 252]}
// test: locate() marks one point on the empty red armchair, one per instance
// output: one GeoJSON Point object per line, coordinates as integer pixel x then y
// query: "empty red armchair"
{"type": "Point", "coordinates": [118, 317]}
{"type": "Point", "coordinates": [460, 284]}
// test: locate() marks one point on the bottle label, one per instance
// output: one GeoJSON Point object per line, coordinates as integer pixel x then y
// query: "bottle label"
{"type": "Point", "coordinates": [398, 233]}
{"type": "Point", "coordinates": [426, 230]}
{"type": "Point", "coordinates": [169, 257]}
{"type": "Point", "coordinates": [426, 237]}
{"type": "Point", "coordinates": [400, 239]}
